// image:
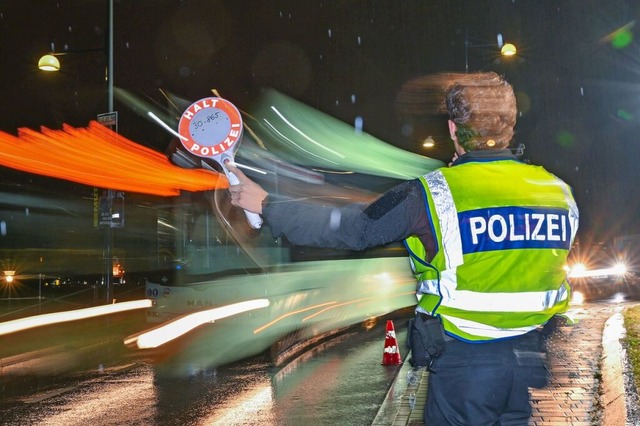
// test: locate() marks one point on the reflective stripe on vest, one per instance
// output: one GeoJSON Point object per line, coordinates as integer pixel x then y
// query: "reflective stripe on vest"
{"type": "Point", "coordinates": [528, 301]}
{"type": "Point", "coordinates": [446, 211]}
{"type": "Point", "coordinates": [488, 331]}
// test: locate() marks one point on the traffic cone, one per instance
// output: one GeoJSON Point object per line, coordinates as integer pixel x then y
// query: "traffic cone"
{"type": "Point", "coordinates": [391, 355]}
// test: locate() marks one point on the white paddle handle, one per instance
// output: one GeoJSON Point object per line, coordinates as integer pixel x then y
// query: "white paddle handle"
{"type": "Point", "coordinates": [255, 221]}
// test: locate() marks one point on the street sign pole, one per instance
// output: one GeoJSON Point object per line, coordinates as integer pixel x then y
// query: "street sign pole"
{"type": "Point", "coordinates": [106, 214]}
{"type": "Point", "coordinates": [109, 119]}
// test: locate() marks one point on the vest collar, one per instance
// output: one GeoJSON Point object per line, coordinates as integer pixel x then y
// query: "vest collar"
{"type": "Point", "coordinates": [485, 155]}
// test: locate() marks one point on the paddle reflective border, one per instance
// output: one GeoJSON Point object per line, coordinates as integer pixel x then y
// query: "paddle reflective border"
{"type": "Point", "coordinates": [210, 127]}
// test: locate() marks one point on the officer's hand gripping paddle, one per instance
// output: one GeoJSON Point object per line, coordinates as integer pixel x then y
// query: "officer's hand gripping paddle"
{"type": "Point", "coordinates": [212, 128]}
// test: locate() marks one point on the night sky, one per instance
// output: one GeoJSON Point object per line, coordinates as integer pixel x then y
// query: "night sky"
{"type": "Point", "coordinates": [576, 75]}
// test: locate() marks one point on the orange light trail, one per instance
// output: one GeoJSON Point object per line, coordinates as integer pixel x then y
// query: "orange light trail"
{"type": "Point", "coordinates": [350, 302]}
{"type": "Point", "coordinates": [97, 156]}
{"type": "Point", "coordinates": [288, 314]}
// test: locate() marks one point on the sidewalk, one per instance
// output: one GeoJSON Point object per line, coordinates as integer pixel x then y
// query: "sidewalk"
{"type": "Point", "coordinates": [586, 386]}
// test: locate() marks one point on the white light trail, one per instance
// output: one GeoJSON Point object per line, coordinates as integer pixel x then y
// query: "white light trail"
{"type": "Point", "coordinates": [579, 271]}
{"type": "Point", "coordinates": [174, 329]}
{"type": "Point", "coordinates": [77, 314]}
{"type": "Point", "coordinates": [304, 135]}
{"type": "Point", "coordinates": [166, 126]}
{"type": "Point", "coordinates": [279, 133]}
{"type": "Point", "coordinates": [242, 166]}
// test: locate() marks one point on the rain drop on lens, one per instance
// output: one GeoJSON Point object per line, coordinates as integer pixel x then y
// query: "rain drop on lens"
{"type": "Point", "coordinates": [358, 123]}
{"type": "Point", "coordinates": [412, 400]}
{"type": "Point", "coordinates": [412, 378]}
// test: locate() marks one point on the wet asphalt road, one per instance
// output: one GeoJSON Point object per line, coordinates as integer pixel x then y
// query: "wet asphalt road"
{"type": "Point", "coordinates": [339, 382]}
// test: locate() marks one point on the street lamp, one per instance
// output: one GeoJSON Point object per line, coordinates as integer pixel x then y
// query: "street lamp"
{"type": "Point", "coordinates": [428, 142]}
{"type": "Point", "coordinates": [8, 276]}
{"type": "Point", "coordinates": [51, 63]}
{"type": "Point", "coordinates": [506, 49]}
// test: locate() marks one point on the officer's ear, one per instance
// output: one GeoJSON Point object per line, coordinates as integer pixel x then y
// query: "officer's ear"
{"type": "Point", "coordinates": [452, 130]}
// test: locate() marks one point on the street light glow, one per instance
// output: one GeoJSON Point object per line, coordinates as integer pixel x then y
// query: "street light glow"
{"type": "Point", "coordinates": [8, 276]}
{"type": "Point", "coordinates": [508, 49]}
{"type": "Point", "coordinates": [429, 142]}
{"type": "Point", "coordinates": [49, 63]}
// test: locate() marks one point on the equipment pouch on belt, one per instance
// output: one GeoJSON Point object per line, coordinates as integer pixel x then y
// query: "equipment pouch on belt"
{"type": "Point", "coordinates": [426, 340]}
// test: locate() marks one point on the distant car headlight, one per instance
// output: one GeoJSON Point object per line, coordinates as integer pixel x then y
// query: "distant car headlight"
{"type": "Point", "coordinates": [577, 270]}
{"type": "Point", "coordinates": [619, 269]}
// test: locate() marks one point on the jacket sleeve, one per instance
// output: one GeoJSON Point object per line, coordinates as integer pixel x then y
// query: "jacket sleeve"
{"type": "Point", "coordinates": [395, 215]}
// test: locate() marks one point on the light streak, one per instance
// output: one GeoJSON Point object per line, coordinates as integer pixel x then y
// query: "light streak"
{"type": "Point", "coordinates": [78, 314]}
{"type": "Point", "coordinates": [304, 135]}
{"type": "Point", "coordinates": [288, 314]}
{"type": "Point", "coordinates": [350, 302]}
{"type": "Point", "coordinates": [174, 329]}
{"type": "Point", "coordinates": [279, 133]}
{"type": "Point", "coordinates": [97, 156]}
{"type": "Point", "coordinates": [242, 166]}
{"type": "Point", "coordinates": [166, 126]}
{"type": "Point", "coordinates": [579, 271]}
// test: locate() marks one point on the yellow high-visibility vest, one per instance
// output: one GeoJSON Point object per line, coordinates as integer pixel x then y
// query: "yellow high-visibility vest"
{"type": "Point", "coordinates": [503, 231]}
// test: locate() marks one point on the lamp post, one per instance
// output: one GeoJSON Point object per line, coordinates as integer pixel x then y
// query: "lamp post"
{"type": "Point", "coordinates": [51, 63]}
{"type": "Point", "coordinates": [109, 231]}
{"type": "Point", "coordinates": [506, 49]}
{"type": "Point", "coordinates": [39, 293]}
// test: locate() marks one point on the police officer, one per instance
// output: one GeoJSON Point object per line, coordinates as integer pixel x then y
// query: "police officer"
{"type": "Point", "coordinates": [487, 237]}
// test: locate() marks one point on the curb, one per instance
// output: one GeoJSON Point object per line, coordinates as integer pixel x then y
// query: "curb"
{"type": "Point", "coordinates": [403, 395]}
{"type": "Point", "coordinates": [613, 397]}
